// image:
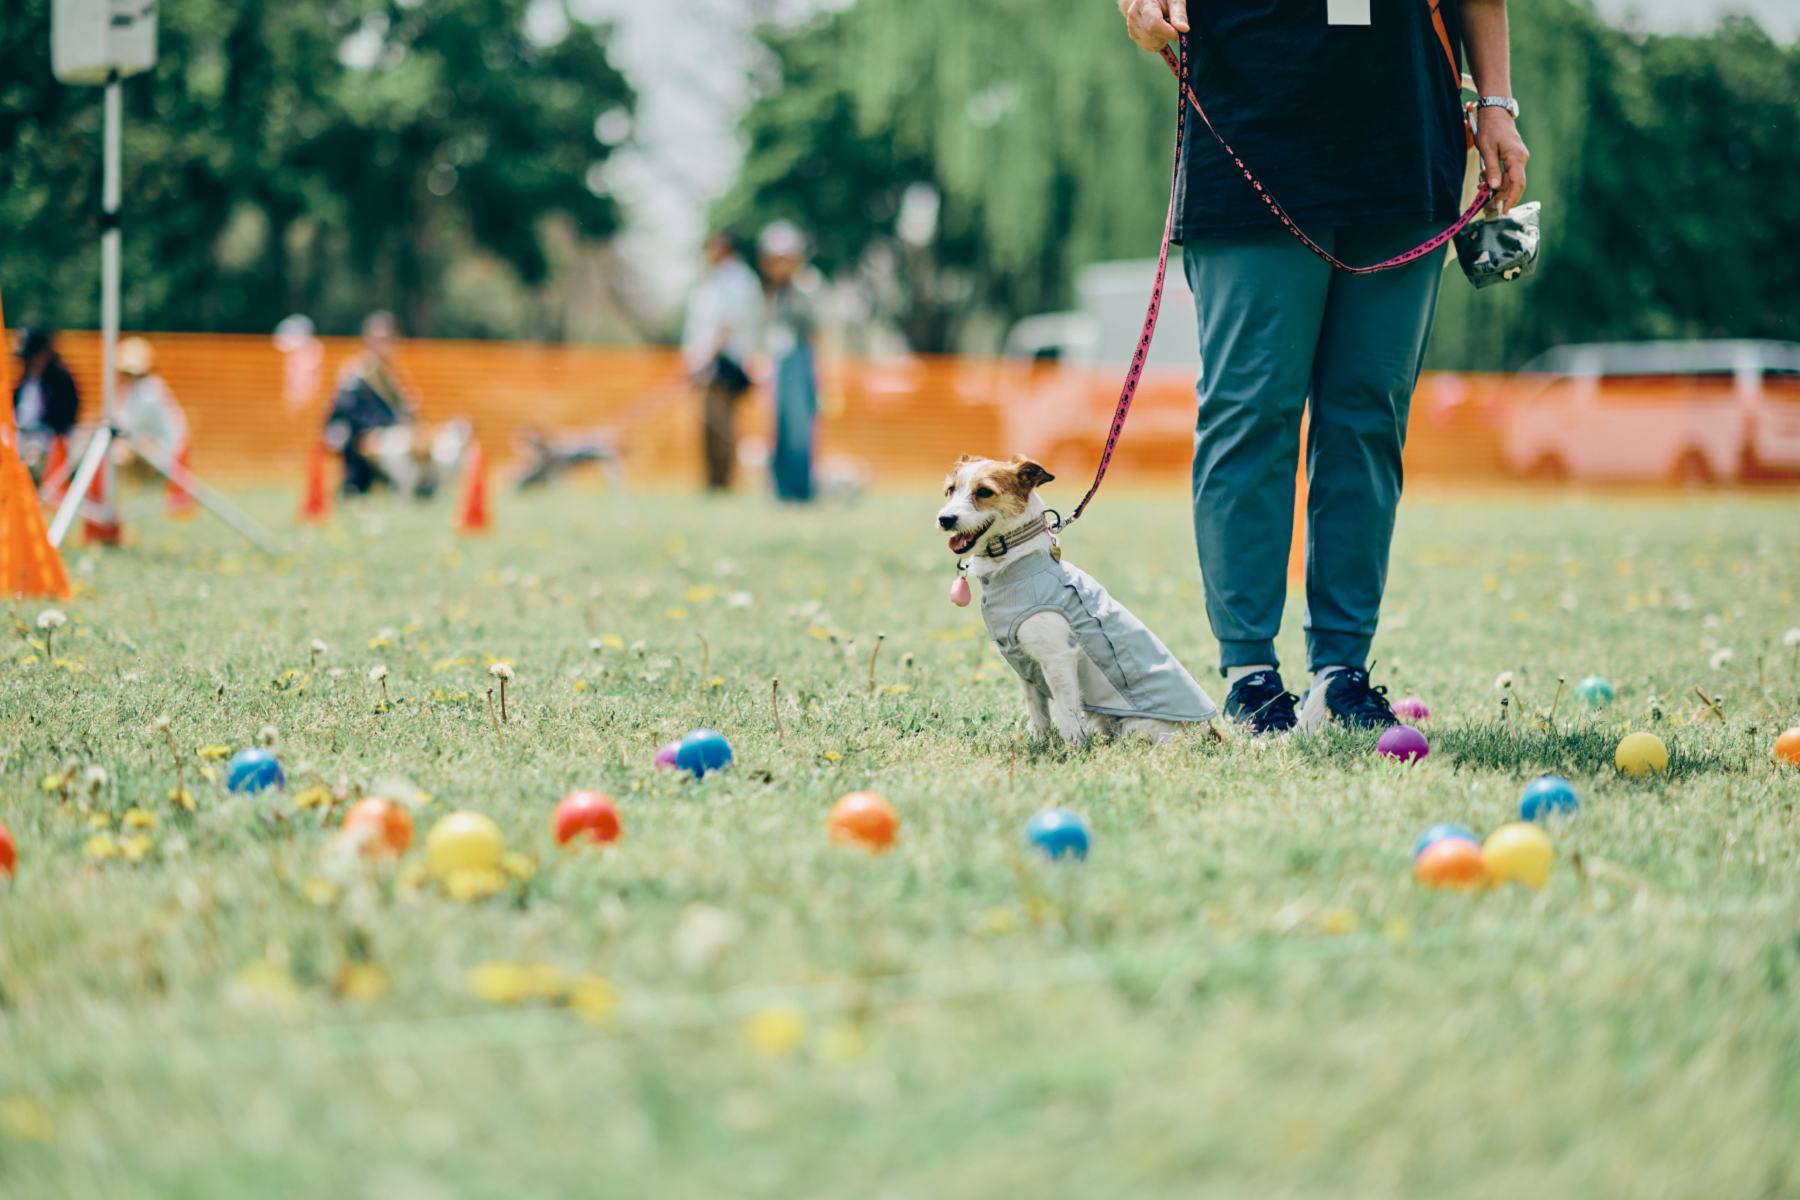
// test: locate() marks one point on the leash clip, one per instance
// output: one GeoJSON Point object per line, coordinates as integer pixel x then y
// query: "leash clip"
{"type": "Point", "coordinates": [1057, 526]}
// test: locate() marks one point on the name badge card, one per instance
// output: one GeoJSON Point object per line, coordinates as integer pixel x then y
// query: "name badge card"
{"type": "Point", "coordinates": [1347, 12]}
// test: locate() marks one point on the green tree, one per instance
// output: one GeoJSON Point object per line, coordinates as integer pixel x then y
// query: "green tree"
{"type": "Point", "coordinates": [1668, 167]}
{"type": "Point", "coordinates": [286, 156]}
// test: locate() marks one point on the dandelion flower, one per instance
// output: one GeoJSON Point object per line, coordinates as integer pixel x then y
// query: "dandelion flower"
{"type": "Point", "coordinates": [1720, 657]}
{"type": "Point", "coordinates": [1791, 637]}
{"type": "Point", "coordinates": [500, 671]}
{"type": "Point", "coordinates": [377, 674]}
{"type": "Point", "coordinates": [96, 778]}
{"type": "Point", "coordinates": [1503, 681]}
{"type": "Point", "coordinates": [595, 645]}
{"type": "Point", "coordinates": [268, 735]}
{"type": "Point", "coordinates": [161, 724]}
{"type": "Point", "coordinates": [51, 618]}
{"type": "Point", "coordinates": [319, 646]}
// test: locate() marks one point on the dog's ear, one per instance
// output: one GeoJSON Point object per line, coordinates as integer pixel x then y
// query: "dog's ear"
{"type": "Point", "coordinates": [966, 459]}
{"type": "Point", "coordinates": [1030, 473]}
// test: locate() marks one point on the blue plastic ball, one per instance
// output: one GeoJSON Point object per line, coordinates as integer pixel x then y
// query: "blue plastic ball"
{"type": "Point", "coordinates": [703, 752]}
{"type": "Point", "coordinates": [254, 771]}
{"type": "Point", "coordinates": [1594, 692]}
{"type": "Point", "coordinates": [1440, 831]}
{"type": "Point", "coordinates": [1545, 796]}
{"type": "Point", "coordinates": [1057, 831]}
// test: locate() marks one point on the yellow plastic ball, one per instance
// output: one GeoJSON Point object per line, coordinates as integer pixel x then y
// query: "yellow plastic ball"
{"type": "Point", "coordinates": [463, 841]}
{"type": "Point", "coordinates": [1519, 851]}
{"type": "Point", "coordinates": [1641, 754]}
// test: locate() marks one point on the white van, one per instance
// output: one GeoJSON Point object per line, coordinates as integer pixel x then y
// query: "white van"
{"type": "Point", "coordinates": [1691, 412]}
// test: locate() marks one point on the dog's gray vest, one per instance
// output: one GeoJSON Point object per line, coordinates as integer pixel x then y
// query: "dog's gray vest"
{"type": "Point", "coordinates": [1125, 671]}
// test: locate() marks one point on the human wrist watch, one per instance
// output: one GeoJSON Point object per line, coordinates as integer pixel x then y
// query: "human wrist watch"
{"type": "Point", "coordinates": [1506, 102]}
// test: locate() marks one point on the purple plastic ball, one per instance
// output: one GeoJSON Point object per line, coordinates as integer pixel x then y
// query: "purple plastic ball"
{"type": "Point", "coordinates": [1404, 743]}
{"type": "Point", "coordinates": [666, 756]}
{"type": "Point", "coordinates": [1411, 708]}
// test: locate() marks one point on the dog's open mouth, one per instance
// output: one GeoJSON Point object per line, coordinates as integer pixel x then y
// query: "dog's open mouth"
{"type": "Point", "coordinates": [960, 542]}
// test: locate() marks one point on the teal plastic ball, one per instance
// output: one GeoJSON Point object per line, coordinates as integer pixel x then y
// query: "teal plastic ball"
{"type": "Point", "coordinates": [702, 752]}
{"type": "Point", "coordinates": [1547, 796]}
{"type": "Point", "coordinates": [254, 771]}
{"type": "Point", "coordinates": [1594, 692]}
{"type": "Point", "coordinates": [1058, 832]}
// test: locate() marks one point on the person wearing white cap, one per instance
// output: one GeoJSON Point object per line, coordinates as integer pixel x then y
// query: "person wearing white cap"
{"type": "Point", "coordinates": [148, 410]}
{"type": "Point", "coordinates": [787, 339]}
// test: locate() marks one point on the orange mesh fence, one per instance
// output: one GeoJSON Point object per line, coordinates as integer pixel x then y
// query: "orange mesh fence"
{"type": "Point", "coordinates": [903, 421]}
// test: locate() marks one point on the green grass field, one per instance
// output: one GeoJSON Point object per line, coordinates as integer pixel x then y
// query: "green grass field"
{"type": "Point", "coordinates": [1241, 993]}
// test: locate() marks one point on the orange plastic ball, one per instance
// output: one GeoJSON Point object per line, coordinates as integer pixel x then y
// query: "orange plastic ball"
{"type": "Point", "coordinates": [1450, 863]}
{"type": "Point", "coordinates": [864, 819]}
{"type": "Point", "coordinates": [1787, 747]}
{"type": "Point", "coordinates": [390, 824]}
{"type": "Point", "coordinates": [9, 851]}
{"type": "Point", "coordinates": [586, 813]}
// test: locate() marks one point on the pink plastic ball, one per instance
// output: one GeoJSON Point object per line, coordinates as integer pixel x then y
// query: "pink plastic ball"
{"type": "Point", "coordinates": [1404, 743]}
{"type": "Point", "coordinates": [1411, 708]}
{"type": "Point", "coordinates": [666, 756]}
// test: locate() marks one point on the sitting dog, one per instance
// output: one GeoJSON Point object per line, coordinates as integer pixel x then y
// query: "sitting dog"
{"type": "Point", "coordinates": [1087, 665]}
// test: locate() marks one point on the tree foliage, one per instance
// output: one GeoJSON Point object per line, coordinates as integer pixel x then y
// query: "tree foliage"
{"type": "Point", "coordinates": [292, 156]}
{"type": "Point", "coordinates": [1669, 167]}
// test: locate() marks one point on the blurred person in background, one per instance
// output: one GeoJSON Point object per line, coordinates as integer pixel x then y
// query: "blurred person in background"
{"type": "Point", "coordinates": [45, 400]}
{"type": "Point", "coordinates": [371, 396]}
{"type": "Point", "coordinates": [148, 411]}
{"type": "Point", "coordinates": [788, 324]}
{"type": "Point", "coordinates": [1351, 117]}
{"type": "Point", "coordinates": [716, 345]}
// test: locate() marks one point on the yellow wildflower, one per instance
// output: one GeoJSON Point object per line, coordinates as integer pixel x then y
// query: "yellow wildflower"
{"type": "Point", "coordinates": [362, 982]}
{"type": "Point", "coordinates": [312, 797]}
{"type": "Point", "coordinates": [215, 751]}
{"type": "Point", "coordinates": [99, 820]}
{"type": "Point", "coordinates": [1338, 921]}
{"type": "Point", "coordinates": [775, 1031]}
{"type": "Point", "coordinates": [321, 892]}
{"type": "Point", "coordinates": [497, 982]}
{"type": "Point", "coordinates": [25, 1119]}
{"type": "Point", "coordinates": [100, 846]}
{"type": "Point", "coordinates": [542, 981]}
{"type": "Point", "coordinates": [182, 797]}
{"type": "Point", "coordinates": [51, 783]}
{"type": "Point", "coordinates": [614, 641]}
{"type": "Point", "coordinates": [137, 846]}
{"type": "Point", "coordinates": [137, 818]}
{"type": "Point", "coordinates": [594, 999]}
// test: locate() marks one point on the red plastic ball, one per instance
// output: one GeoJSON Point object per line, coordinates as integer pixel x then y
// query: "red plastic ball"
{"type": "Point", "coordinates": [863, 819]}
{"type": "Point", "coordinates": [1450, 863]}
{"type": "Point", "coordinates": [589, 815]}
{"type": "Point", "coordinates": [9, 851]}
{"type": "Point", "coordinates": [389, 821]}
{"type": "Point", "coordinates": [1787, 747]}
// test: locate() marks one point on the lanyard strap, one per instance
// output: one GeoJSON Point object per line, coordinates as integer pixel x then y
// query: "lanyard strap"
{"type": "Point", "coordinates": [1177, 61]}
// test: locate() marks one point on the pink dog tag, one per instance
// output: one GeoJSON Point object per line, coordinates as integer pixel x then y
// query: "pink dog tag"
{"type": "Point", "coordinates": [959, 592]}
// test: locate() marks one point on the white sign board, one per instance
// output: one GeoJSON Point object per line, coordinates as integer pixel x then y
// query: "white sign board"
{"type": "Point", "coordinates": [90, 39]}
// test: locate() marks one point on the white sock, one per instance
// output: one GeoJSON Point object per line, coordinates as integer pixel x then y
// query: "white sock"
{"type": "Point", "coordinates": [1233, 674]}
{"type": "Point", "coordinates": [1321, 675]}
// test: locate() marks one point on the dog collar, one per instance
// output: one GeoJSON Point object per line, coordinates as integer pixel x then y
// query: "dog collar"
{"type": "Point", "coordinates": [999, 545]}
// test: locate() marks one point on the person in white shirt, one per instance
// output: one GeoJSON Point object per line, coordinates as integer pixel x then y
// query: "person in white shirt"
{"type": "Point", "coordinates": [721, 333]}
{"type": "Point", "coordinates": [148, 410]}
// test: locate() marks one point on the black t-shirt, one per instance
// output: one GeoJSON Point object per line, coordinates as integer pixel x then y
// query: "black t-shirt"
{"type": "Point", "coordinates": [1343, 124]}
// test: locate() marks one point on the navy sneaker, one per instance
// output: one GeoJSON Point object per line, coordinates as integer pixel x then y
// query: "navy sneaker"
{"type": "Point", "coordinates": [1349, 698]}
{"type": "Point", "coordinates": [1259, 701]}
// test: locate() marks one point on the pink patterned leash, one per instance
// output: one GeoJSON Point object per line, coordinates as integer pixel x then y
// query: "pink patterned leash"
{"type": "Point", "coordinates": [1135, 376]}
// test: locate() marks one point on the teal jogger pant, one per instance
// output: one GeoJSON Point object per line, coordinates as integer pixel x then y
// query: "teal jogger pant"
{"type": "Point", "coordinates": [1280, 326]}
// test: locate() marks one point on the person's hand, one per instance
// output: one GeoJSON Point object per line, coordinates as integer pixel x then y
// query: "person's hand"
{"type": "Point", "coordinates": [1153, 24]}
{"type": "Point", "coordinates": [1503, 155]}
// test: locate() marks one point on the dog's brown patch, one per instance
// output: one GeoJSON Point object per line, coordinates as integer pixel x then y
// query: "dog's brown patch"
{"type": "Point", "coordinates": [998, 487]}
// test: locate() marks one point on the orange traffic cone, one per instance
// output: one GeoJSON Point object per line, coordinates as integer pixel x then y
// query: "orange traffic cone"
{"type": "Point", "coordinates": [178, 502]}
{"type": "Point", "coordinates": [55, 463]}
{"type": "Point", "coordinates": [472, 514]}
{"type": "Point", "coordinates": [29, 564]}
{"type": "Point", "coordinates": [315, 501]}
